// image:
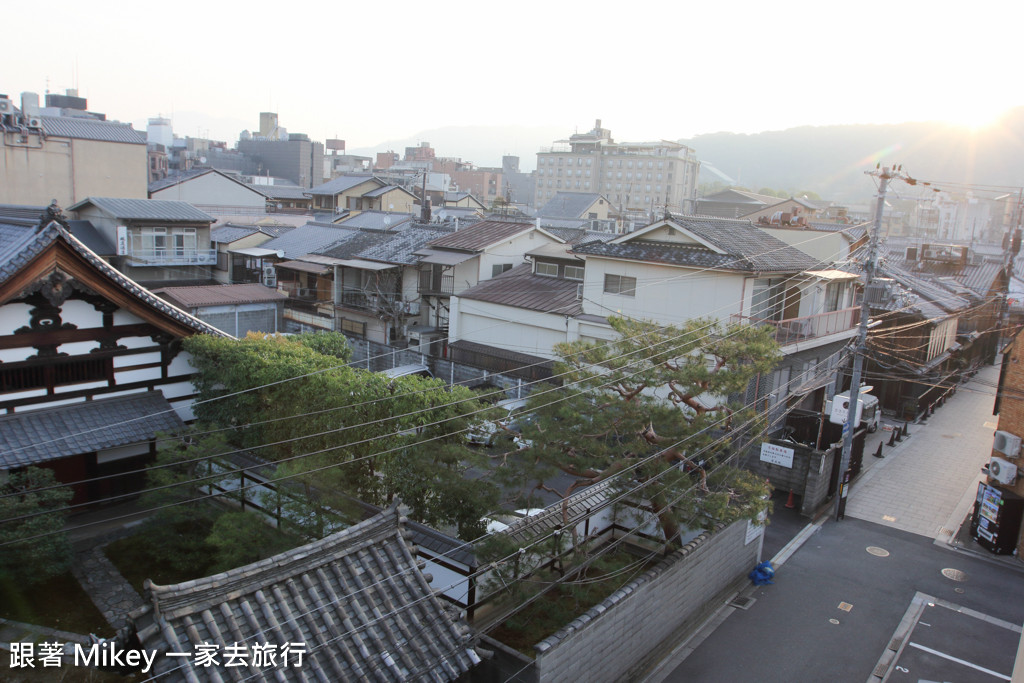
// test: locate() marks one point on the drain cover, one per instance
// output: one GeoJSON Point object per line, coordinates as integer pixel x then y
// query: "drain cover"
{"type": "Point", "coordinates": [954, 574]}
{"type": "Point", "coordinates": [833, 621]}
{"type": "Point", "coordinates": [877, 552]}
{"type": "Point", "coordinates": [742, 602]}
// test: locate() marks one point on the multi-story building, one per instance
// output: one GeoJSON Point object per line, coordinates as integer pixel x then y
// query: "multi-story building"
{"type": "Point", "coordinates": [638, 177]}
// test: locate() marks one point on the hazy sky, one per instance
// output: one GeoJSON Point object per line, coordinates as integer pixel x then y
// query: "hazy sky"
{"type": "Point", "coordinates": [369, 72]}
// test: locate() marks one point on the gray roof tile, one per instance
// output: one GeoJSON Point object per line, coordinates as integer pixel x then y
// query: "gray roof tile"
{"type": "Point", "coordinates": [146, 209]}
{"type": "Point", "coordinates": [482, 234]}
{"type": "Point", "coordinates": [91, 129]}
{"type": "Point", "coordinates": [355, 599]}
{"type": "Point", "coordinates": [377, 220]}
{"type": "Point", "coordinates": [37, 436]}
{"type": "Point", "coordinates": [342, 183]}
{"type": "Point", "coordinates": [568, 205]}
{"type": "Point", "coordinates": [307, 239]}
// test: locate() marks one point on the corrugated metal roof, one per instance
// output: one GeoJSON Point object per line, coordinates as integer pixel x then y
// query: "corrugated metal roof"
{"type": "Point", "coordinates": [520, 288]}
{"type": "Point", "coordinates": [173, 211]}
{"type": "Point", "coordinates": [231, 233]}
{"type": "Point", "coordinates": [377, 220]}
{"type": "Point", "coordinates": [481, 235]}
{"type": "Point", "coordinates": [91, 129]}
{"type": "Point", "coordinates": [37, 436]}
{"type": "Point", "coordinates": [305, 267]}
{"type": "Point", "coordinates": [219, 295]}
{"type": "Point", "coordinates": [307, 239]}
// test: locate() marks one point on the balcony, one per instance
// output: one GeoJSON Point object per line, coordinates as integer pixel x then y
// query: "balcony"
{"type": "Point", "coordinates": [434, 284]}
{"type": "Point", "coordinates": [793, 330]}
{"type": "Point", "coordinates": [172, 257]}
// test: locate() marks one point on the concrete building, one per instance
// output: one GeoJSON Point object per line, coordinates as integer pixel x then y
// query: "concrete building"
{"type": "Point", "coordinates": [44, 157]}
{"type": "Point", "coordinates": [297, 159]}
{"type": "Point", "coordinates": [638, 177]}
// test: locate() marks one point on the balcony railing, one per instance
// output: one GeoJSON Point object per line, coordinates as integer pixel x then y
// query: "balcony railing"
{"type": "Point", "coordinates": [794, 330]}
{"type": "Point", "coordinates": [172, 257]}
{"type": "Point", "coordinates": [431, 284]}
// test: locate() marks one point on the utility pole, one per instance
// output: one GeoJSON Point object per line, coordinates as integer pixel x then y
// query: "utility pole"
{"type": "Point", "coordinates": [871, 264]}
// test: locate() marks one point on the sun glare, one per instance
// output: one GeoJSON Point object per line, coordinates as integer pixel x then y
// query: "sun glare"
{"type": "Point", "coordinates": [973, 115]}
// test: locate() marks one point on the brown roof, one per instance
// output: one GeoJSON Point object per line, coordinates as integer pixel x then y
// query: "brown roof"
{"type": "Point", "coordinates": [481, 235]}
{"type": "Point", "coordinates": [218, 295]}
{"type": "Point", "coordinates": [520, 288]}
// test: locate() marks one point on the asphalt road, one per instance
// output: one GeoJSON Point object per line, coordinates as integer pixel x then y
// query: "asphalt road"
{"type": "Point", "coordinates": [835, 607]}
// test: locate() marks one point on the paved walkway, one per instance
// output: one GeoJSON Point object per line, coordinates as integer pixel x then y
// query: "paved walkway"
{"type": "Point", "coordinates": [927, 483]}
{"type": "Point", "coordinates": [110, 592]}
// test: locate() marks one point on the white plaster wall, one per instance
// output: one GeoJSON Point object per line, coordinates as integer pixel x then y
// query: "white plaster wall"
{"type": "Point", "coordinates": [511, 251]}
{"type": "Point", "coordinates": [509, 328]}
{"type": "Point", "coordinates": [135, 342]}
{"type": "Point", "coordinates": [665, 294]}
{"type": "Point", "coordinates": [136, 359]}
{"type": "Point", "coordinates": [81, 314]}
{"type": "Point", "coordinates": [123, 317]}
{"type": "Point", "coordinates": [67, 388]}
{"type": "Point", "coordinates": [212, 190]}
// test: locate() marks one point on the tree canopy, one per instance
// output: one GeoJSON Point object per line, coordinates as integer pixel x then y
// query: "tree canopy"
{"type": "Point", "coordinates": [27, 559]}
{"type": "Point", "coordinates": [356, 433]}
{"type": "Point", "coordinates": [654, 407]}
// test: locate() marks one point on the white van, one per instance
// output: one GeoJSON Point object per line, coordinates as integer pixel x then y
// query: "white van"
{"type": "Point", "coordinates": [418, 369]}
{"type": "Point", "coordinates": [838, 409]}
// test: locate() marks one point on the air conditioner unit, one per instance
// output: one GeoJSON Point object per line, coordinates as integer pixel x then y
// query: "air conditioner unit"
{"type": "Point", "coordinates": [1007, 444]}
{"type": "Point", "coordinates": [270, 276]}
{"type": "Point", "coordinates": [1003, 471]}
{"type": "Point", "coordinates": [34, 122]}
{"type": "Point", "coordinates": [6, 106]}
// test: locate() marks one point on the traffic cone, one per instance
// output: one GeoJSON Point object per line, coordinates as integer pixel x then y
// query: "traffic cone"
{"type": "Point", "coordinates": [790, 502]}
{"type": "Point", "coordinates": [906, 429]}
{"type": "Point", "coordinates": [893, 438]}
{"type": "Point", "coordinates": [878, 453]}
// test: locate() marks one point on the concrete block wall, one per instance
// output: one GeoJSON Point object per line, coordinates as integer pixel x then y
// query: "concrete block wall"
{"type": "Point", "coordinates": [639, 621]}
{"type": "Point", "coordinates": [783, 478]}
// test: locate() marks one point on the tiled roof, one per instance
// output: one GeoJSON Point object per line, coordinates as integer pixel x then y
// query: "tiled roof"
{"type": "Point", "coordinates": [355, 599]}
{"type": "Point", "coordinates": [568, 205]}
{"type": "Point", "coordinates": [579, 236]}
{"type": "Point", "coordinates": [146, 209]}
{"type": "Point", "coordinates": [19, 214]}
{"type": "Point", "coordinates": [37, 436]}
{"type": "Point", "coordinates": [383, 190]}
{"type": "Point", "coordinates": [978, 278]}
{"type": "Point", "coordinates": [387, 247]}
{"type": "Point", "coordinates": [481, 235]}
{"type": "Point", "coordinates": [747, 248]}
{"type": "Point", "coordinates": [343, 183]}
{"type": "Point", "coordinates": [306, 239]}
{"type": "Point", "coordinates": [91, 129]}
{"type": "Point", "coordinates": [219, 295]}
{"type": "Point", "coordinates": [19, 245]}
{"type": "Point", "coordinates": [520, 288]}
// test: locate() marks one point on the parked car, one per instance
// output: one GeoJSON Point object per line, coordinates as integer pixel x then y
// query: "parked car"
{"type": "Point", "coordinates": [513, 416]}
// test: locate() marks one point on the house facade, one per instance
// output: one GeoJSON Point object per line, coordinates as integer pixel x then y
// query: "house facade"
{"type": "Point", "coordinates": [158, 241]}
{"type": "Point", "coordinates": [91, 365]}
{"type": "Point", "coordinates": [211, 191]}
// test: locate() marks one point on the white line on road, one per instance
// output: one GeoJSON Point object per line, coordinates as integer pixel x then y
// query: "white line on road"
{"type": "Point", "coordinates": [960, 661]}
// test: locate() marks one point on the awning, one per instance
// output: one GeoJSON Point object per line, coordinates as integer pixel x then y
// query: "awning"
{"type": "Point", "coordinates": [257, 252]}
{"type": "Point", "coordinates": [348, 262]}
{"type": "Point", "coordinates": [36, 436]}
{"type": "Point", "coordinates": [443, 258]}
{"type": "Point", "coordinates": [304, 267]}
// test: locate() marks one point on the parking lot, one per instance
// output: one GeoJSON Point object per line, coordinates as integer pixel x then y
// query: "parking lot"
{"type": "Point", "coordinates": [941, 641]}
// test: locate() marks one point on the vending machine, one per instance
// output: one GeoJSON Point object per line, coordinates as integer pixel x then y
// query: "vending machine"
{"type": "Point", "coordinates": [996, 521]}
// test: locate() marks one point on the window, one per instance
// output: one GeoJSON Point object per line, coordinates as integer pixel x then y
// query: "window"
{"type": "Point", "coordinates": [620, 284]}
{"type": "Point", "coordinates": [353, 327]}
{"type": "Point", "coordinates": [499, 268]}
{"type": "Point", "coordinates": [574, 272]}
{"type": "Point", "coordinates": [547, 269]}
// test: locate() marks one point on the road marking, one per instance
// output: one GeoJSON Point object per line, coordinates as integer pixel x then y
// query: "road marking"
{"type": "Point", "coordinates": [845, 606]}
{"type": "Point", "coordinates": [889, 518]}
{"type": "Point", "coordinates": [960, 661]}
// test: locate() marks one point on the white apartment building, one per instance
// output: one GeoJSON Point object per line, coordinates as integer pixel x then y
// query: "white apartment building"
{"type": "Point", "coordinates": [639, 178]}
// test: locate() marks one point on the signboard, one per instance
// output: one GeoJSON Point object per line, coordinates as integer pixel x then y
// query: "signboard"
{"type": "Point", "coordinates": [122, 240]}
{"type": "Point", "coordinates": [777, 455]}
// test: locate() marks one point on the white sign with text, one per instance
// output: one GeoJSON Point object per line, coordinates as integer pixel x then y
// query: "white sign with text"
{"type": "Point", "coordinates": [777, 455]}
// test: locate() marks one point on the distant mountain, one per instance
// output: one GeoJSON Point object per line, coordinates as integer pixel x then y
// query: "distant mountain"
{"type": "Point", "coordinates": [831, 160]}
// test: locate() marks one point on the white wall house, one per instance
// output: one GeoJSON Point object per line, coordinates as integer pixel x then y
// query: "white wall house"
{"type": "Point", "coordinates": [88, 358]}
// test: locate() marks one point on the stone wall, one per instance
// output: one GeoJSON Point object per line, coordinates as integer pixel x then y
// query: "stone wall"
{"type": "Point", "coordinates": [640, 622]}
{"type": "Point", "coordinates": [808, 478]}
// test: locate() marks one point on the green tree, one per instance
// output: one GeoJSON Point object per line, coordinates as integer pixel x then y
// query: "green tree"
{"type": "Point", "coordinates": [357, 434]}
{"type": "Point", "coordinates": [656, 401]}
{"type": "Point", "coordinates": [34, 549]}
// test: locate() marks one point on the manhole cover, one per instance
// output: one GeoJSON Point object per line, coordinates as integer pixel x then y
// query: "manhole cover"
{"type": "Point", "coordinates": [958, 589]}
{"type": "Point", "coordinates": [833, 621]}
{"type": "Point", "coordinates": [954, 574]}
{"type": "Point", "coordinates": [877, 552]}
